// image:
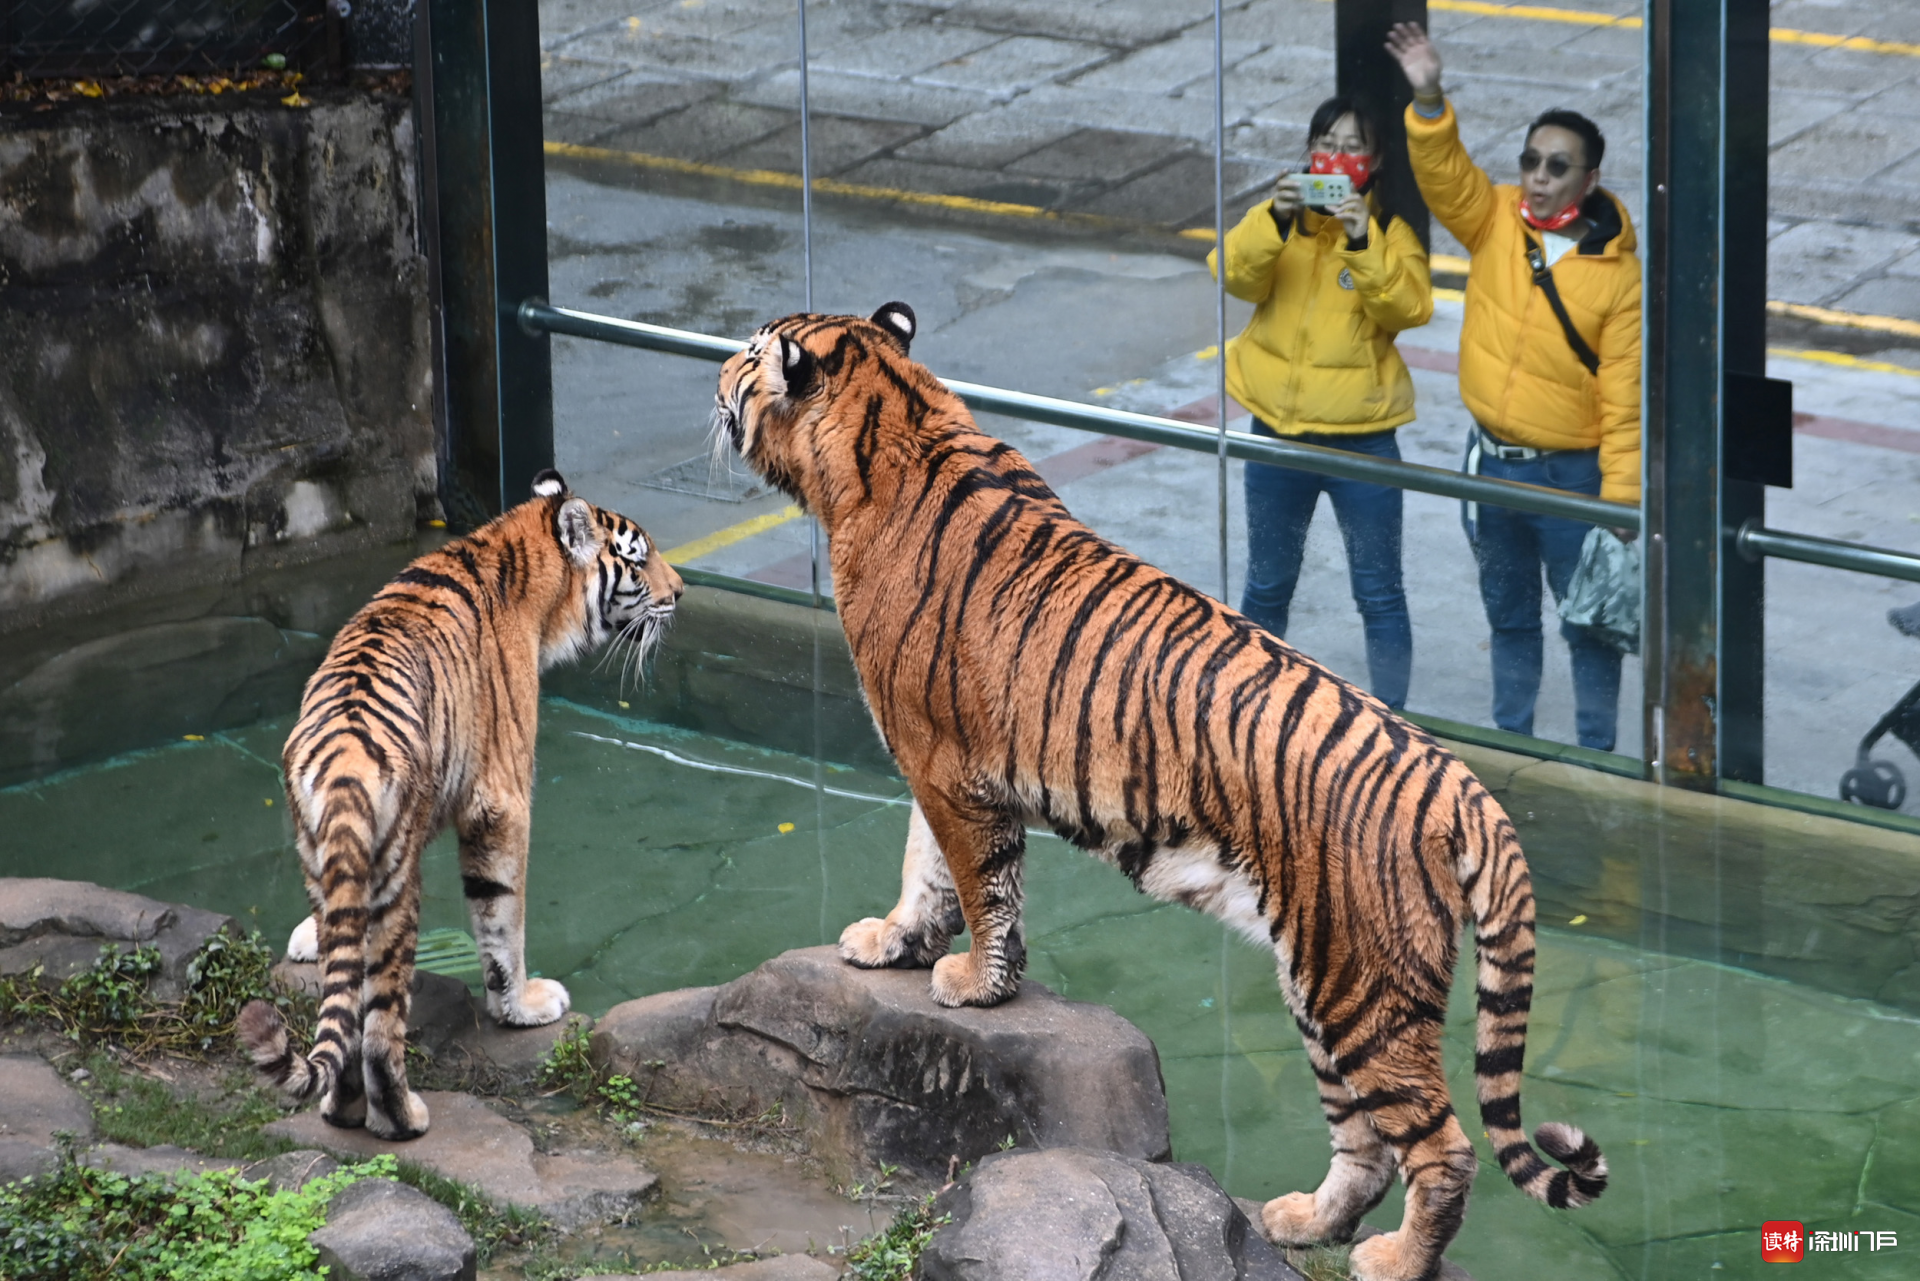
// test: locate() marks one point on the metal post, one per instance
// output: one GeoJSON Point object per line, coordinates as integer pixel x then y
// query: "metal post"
{"type": "Point", "coordinates": [477, 95]}
{"type": "Point", "coordinates": [1368, 73]}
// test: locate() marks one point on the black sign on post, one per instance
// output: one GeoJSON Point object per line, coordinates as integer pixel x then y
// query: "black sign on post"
{"type": "Point", "coordinates": [1758, 430]}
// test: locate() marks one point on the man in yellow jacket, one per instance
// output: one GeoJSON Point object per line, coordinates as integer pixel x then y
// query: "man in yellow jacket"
{"type": "Point", "coordinates": [1331, 289]}
{"type": "Point", "coordinates": [1554, 391]}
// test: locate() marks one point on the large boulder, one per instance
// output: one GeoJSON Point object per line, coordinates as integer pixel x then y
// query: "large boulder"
{"type": "Point", "coordinates": [379, 1230]}
{"type": "Point", "coordinates": [1074, 1215]}
{"type": "Point", "coordinates": [879, 1074]}
{"type": "Point", "coordinates": [35, 1105]}
{"type": "Point", "coordinates": [62, 925]}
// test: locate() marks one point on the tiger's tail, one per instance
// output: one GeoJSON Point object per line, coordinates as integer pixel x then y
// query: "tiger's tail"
{"type": "Point", "coordinates": [1501, 895]}
{"type": "Point", "coordinates": [346, 843]}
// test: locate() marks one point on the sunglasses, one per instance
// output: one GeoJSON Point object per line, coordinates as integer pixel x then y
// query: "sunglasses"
{"type": "Point", "coordinates": [1557, 166]}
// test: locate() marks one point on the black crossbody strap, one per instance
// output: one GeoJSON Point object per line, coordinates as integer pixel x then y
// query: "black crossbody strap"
{"type": "Point", "coordinates": [1543, 277]}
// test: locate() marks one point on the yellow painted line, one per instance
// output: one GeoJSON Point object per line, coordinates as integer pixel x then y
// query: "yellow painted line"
{"type": "Point", "coordinates": [1843, 360]}
{"type": "Point", "coordinates": [730, 535]}
{"type": "Point", "coordinates": [1847, 319]}
{"type": "Point", "coordinates": [1450, 295]}
{"type": "Point", "coordinates": [1588, 18]}
{"type": "Point", "coordinates": [1002, 208]}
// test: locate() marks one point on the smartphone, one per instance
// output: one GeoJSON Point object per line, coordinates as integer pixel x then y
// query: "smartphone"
{"type": "Point", "coordinates": [1324, 190]}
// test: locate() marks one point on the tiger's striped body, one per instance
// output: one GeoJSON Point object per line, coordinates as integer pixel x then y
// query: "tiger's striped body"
{"type": "Point", "coordinates": [1023, 669]}
{"type": "Point", "coordinates": [423, 715]}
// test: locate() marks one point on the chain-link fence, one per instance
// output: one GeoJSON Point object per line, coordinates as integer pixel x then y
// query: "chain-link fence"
{"type": "Point", "coordinates": [95, 38]}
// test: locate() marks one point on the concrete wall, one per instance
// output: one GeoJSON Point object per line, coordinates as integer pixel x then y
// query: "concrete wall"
{"type": "Point", "coordinates": [214, 352]}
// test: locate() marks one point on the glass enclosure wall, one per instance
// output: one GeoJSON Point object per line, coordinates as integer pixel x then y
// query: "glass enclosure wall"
{"type": "Point", "coordinates": [1038, 180]}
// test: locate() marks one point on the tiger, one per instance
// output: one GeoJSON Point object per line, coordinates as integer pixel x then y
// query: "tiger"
{"type": "Point", "coordinates": [422, 715]}
{"type": "Point", "coordinates": [1024, 670]}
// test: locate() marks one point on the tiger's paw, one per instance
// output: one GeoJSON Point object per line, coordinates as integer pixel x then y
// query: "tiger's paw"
{"type": "Point", "coordinates": [1380, 1258]}
{"type": "Point", "coordinates": [1292, 1220]}
{"type": "Point", "coordinates": [304, 943]}
{"type": "Point", "coordinates": [957, 981]}
{"type": "Point", "coordinates": [410, 1122]}
{"type": "Point", "coordinates": [540, 1002]}
{"type": "Point", "coordinates": [875, 944]}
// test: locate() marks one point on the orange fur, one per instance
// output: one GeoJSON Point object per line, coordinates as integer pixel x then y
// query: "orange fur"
{"type": "Point", "coordinates": [1023, 669]}
{"type": "Point", "coordinates": [423, 715]}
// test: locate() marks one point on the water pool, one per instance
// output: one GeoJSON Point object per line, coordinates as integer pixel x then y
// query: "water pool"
{"type": "Point", "coordinates": [1733, 1016]}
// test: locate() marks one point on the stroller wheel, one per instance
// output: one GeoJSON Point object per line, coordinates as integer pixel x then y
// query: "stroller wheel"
{"type": "Point", "coordinates": [1877, 783]}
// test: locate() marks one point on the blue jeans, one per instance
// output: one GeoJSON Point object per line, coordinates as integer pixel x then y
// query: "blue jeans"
{"type": "Point", "coordinates": [1280, 503]}
{"type": "Point", "coordinates": [1511, 547]}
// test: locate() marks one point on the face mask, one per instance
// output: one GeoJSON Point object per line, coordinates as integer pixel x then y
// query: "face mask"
{"type": "Point", "coordinates": [1357, 167]}
{"type": "Point", "coordinates": [1554, 223]}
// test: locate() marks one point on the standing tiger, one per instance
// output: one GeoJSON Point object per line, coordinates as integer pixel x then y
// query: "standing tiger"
{"type": "Point", "coordinates": [423, 715]}
{"type": "Point", "coordinates": [1021, 668]}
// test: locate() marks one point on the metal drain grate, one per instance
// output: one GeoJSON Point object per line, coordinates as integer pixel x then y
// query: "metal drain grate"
{"type": "Point", "coordinates": [704, 477]}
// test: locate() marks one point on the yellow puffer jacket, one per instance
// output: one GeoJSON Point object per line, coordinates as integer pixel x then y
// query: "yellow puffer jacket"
{"type": "Point", "coordinates": [1318, 355]}
{"type": "Point", "coordinates": [1518, 374]}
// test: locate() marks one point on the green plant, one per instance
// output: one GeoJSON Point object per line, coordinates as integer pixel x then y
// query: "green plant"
{"type": "Point", "coordinates": [111, 995]}
{"type": "Point", "coordinates": [623, 1098]}
{"type": "Point", "coordinates": [79, 1223]}
{"type": "Point", "coordinates": [892, 1255]}
{"type": "Point", "coordinates": [1322, 1262]}
{"type": "Point", "coordinates": [145, 1113]}
{"type": "Point", "coordinates": [568, 1067]}
{"type": "Point", "coordinates": [1006, 1145]}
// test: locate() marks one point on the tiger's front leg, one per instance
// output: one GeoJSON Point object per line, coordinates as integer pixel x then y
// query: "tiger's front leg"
{"type": "Point", "coordinates": [493, 872]}
{"type": "Point", "coordinates": [985, 847]}
{"type": "Point", "coordinates": [921, 926]}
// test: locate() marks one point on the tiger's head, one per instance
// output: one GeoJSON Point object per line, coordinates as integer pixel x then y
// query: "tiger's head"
{"type": "Point", "coordinates": [775, 399]}
{"type": "Point", "coordinates": [625, 590]}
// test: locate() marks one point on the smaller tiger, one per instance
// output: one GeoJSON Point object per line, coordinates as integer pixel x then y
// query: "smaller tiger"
{"type": "Point", "coordinates": [423, 715]}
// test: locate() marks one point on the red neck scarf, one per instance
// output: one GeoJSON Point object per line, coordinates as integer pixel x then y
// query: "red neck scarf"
{"type": "Point", "coordinates": [1554, 223]}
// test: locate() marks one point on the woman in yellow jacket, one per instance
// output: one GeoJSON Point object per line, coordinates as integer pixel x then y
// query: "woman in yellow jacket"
{"type": "Point", "coordinates": [1317, 364]}
{"type": "Point", "coordinates": [1547, 409]}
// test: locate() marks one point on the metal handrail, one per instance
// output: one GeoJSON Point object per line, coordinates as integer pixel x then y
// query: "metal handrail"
{"type": "Point", "coordinates": [1752, 541]}
{"type": "Point", "coordinates": [536, 316]}
{"type": "Point", "coordinates": [1755, 540]}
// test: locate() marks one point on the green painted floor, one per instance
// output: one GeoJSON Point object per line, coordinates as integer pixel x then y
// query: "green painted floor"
{"type": "Point", "coordinates": [1723, 1095]}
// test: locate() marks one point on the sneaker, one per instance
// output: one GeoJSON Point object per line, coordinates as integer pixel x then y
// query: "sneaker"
{"type": "Point", "coordinates": [1906, 621]}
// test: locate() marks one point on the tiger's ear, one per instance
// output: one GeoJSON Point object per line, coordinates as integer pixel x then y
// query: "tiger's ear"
{"type": "Point", "coordinates": [897, 319]}
{"type": "Point", "coordinates": [574, 526]}
{"type": "Point", "coordinates": [548, 483]}
{"type": "Point", "coordinates": [792, 369]}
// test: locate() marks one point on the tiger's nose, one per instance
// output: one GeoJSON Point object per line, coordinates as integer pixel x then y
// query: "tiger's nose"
{"type": "Point", "coordinates": [676, 584]}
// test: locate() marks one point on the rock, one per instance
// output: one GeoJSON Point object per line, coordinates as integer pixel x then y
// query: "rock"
{"type": "Point", "coordinates": [469, 1142]}
{"type": "Point", "coordinates": [161, 1159]}
{"type": "Point", "coordinates": [446, 1020]}
{"type": "Point", "coordinates": [379, 1230]}
{"type": "Point", "coordinates": [1071, 1214]}
{"type": "Point", "coordinates": [62, 925]}
{"type": "Point", "coordinates": [35, 1104]}
{"type": "Point", "coordinates": [782, 1267]}
{"type": "Point", "coordinates": [879, 1074]}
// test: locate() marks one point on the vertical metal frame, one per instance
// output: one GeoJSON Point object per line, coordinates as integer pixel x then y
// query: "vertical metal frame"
{"type": "Point", "coordinates": [484, 209]}
{"type": "Point", "coordinates": [1706, 209]}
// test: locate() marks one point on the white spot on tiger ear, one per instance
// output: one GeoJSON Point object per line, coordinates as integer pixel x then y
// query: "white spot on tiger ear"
{"type": "Point", "coordinates": [897, 319]}
{"type": "Point", "coordinates": [575, 528]}
{"type": "Point", "coordinates": [548, 483]}
{"type": "Point", "coordinates": [774, 374]}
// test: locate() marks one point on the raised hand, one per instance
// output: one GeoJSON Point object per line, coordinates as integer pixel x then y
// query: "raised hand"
{"type": "Point", "coordinates": [1417, 56]}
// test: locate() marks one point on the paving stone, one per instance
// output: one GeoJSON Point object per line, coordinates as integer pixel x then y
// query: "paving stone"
{"type": "Point", "coordinates": [1818, 262]}
{"type": "Point", "coordinates": [735, 57]}
{"type": "Point", "coordinates": [36, 1102]}
{"type": "Point", "coordinates": [631, 99]}
{"type": "Point", "coordinates": [1117, 22]}
{"type": "Point", "coordinates": [1175, 194]}
{"type": "Point", "coordinates": [561, 76]}
{"type": "Point", "coordinates": [839, 94]}
{"type": "Point", "coordinates": [162, 1158]}
{"type": "Point", "coordinates": [1850, 147]}
{"type": "Point", "coordinates": [380, 1230]}
{"type": "Point", "coordinates": [837, 144]}
{"type": "Point", "coordinates": [470, 1142]}
{"type": "Point", "coordinates": [1100, 155]}
{"type": "Point", "coordinates": [1791, 112]}
{"type": "Point", "coordinates": [1166, 68]}
{"type": "Point", "coordinates": [1189, 117]}
{"type": "Point", "coordinates": [1017, 64]}
{"type": "Point", "coordinates": [988, 139]}
{"type": "Point", "coordinates": [704, 131]}
{"type": "Point", "coordinates": [1889, 296]}
{"type": "Point", "coordinates": [905, 51]}
{"type": "Point", "coordinates": [978, 184]}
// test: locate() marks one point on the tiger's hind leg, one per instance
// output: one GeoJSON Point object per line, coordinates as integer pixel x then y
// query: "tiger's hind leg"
{"type": "Point", "coordinates": [393, 1110]}
{"type": "Point", "coordinates": [1403, 1087]}
{"type": "Point", "coordinates": [921, 926]}
{"type": "Point", "coordinates": [984, 846]}
{"type": "Point", "coordinates": [1358, 1178]}
{"type": "Point", "coordinates": [493, 871]}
